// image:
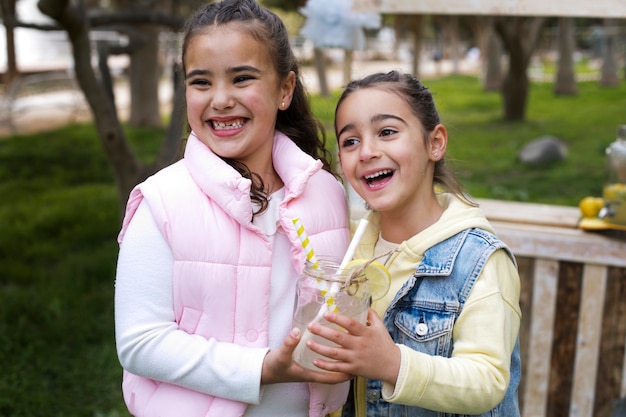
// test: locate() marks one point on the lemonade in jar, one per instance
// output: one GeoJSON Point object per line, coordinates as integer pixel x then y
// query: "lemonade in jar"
{"type": "Point", "coordinates": [326, 287]}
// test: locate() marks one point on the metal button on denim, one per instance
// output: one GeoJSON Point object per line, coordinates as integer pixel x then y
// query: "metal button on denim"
{"type": "Point", "coordinates": [422, 329]}
{"type": "Point", "coordinates": [373, 395]}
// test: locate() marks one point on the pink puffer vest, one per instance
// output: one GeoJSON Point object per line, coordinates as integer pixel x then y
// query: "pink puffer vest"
{"type": "Point", "coordinates": [222, 264]}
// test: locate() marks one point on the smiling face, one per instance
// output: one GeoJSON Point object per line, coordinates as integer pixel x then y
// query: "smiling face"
{"type": "Point", "coordinates": [384, 154]}
{"type": "Point", "coordinates": [234, 93]}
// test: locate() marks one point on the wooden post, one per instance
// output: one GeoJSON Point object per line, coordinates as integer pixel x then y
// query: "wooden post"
{"type": "Point", "coordinates": [588, 340]}
{"type": "Point", "coordinates": [542, 324]}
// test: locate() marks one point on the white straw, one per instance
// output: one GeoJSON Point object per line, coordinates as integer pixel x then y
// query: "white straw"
{"type": "Point", "coordinates": [358, 234]}
{"type": "Point", "coordinates": [334, 287]}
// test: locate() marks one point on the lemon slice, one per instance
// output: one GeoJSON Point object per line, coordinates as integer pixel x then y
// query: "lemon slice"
{"type": "Point", "coordinates": [377, 276]}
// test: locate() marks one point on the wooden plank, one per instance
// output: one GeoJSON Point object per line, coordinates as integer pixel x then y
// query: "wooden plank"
{"type": "Point", "coordinates": [619, 316]}
{"type": "Point", "coordinates": [623, 389]}
{"type": "Point", "coordinates": [572, 245]}
{"type": "Point", "coordinates": [588, 341]}
{"type": "Point", "coordinates": [611, 356]}
{"type": "Point", "coordinates": [563, 355]}
{"type": "Point", "coordinates": [541, 333]}
{"type": "Point", "coordinates": [526, 268]}
{"type": "Point", "coordinates": [573, 8]}
{"type": "Point", "coordinates": [530, 213]}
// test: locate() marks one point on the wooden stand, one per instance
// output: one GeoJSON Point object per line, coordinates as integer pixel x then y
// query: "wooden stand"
{"type": "Point", "coordinates": [574, 309]}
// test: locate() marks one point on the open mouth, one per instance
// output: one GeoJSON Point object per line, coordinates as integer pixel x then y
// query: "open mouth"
{"type": "Point", "coordinates": [378, 177]}
{"type": "Point", "coordinates": [233, 124]}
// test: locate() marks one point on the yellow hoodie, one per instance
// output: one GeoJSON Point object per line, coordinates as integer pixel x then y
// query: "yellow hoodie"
{"type": "Point", "coordinates": [440, 383]}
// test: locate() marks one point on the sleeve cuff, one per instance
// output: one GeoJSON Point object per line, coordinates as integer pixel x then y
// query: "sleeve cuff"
{"type": "Point", "coordinates": [389, 391]}
{"type": "Point", "coordinates": [254, 391]}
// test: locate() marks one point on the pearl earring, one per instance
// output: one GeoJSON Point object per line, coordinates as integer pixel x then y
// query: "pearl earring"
{"type": "Point", "coordinates": [436, 155]}
{"type": "Point", "coordinates": [282, 105]}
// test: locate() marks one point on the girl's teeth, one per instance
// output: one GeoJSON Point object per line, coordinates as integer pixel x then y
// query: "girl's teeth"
{"type": "Point", "coordinates": [224, 126]}
{"type": "Point", "coordinates": [377, 174]}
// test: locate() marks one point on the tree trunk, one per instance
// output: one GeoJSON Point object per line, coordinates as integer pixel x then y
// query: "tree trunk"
{"type": "Point", "coordinates": [515, 87]}
{"type": "Point", "coordinates": [608, 76]}
{"type": "Point", "coordinates": [8, 17]}
{"type": "Point", "coordinates": [417, 24]}
{"type": "Point", "coordinates": [452, 33]}
{"type": "Point", "coordinates": [144, 78]}
{"type": "Point", "coordinates": [490, 52]}
{"type": "Point", "coordinates": [519, 36]}
{"type": "Point", "coordinates": [398, 30]}
{"type": "Point", "coordinates": [565, 83]}
{"type": "Point", "coordinates": [493, 64]}
{"type": "Point", "coordinates": [320, 67]}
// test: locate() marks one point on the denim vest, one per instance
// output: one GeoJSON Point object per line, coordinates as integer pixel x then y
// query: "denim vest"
{"type": "Point", "coordinates": [424, 311]}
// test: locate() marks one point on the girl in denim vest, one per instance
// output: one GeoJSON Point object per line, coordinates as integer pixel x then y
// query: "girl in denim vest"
{"type": "Point", "coordinates": [444, 340]}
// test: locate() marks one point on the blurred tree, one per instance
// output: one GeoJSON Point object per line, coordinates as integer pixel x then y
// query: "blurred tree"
{"type": "Point", "coordinates": [146, 55]}
{"type": "Point", "coordinates": [493, 65]}
{"type": "Point", "coordinates": [414, 25]}
{"type": "Point", "coordinates": [608, 74]}
{"type": "Point", "coordinates": [519, 35]}
{"type": "Point", "coordinates": [565, 83]}
{"type": "Point", "coordinates": [128, 170]}
{"type": "Point", "coordinates": [451, 47]}
{"type": "Point", "coordinates": [7, 7]}
{"type": "Point", "coordinates": [490, 48]}
{"type": "Point", "coordinates": [145, 67]}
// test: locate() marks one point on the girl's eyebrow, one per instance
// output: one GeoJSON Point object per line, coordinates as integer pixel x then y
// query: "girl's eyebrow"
{"type": "Point", "coordinates": [376, 118]}
{"type": "Point", "coordinates": [244, 68]}
{"type": "Point", "coordinates": [196, 72]}
{"type": "Point", "coordinates": [233, 70]}
{"type": "Point", "coordinates": [346, 127]}
{"type": "Point", "coordinates": [381, 117]}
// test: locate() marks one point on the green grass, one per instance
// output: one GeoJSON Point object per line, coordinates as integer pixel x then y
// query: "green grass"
{"type": "Point", "coordinates": [584, 66]}
{"type": "Point", "coordinates": [59, 221]}
{"type": "Point", "coordinates": [58, 216]}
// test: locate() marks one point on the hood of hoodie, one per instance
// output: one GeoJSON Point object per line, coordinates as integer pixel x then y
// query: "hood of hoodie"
{"type": "Point", "coordinates": [457, 216]}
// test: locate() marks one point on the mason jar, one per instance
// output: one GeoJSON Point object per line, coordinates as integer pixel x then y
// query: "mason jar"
{"type": "Point", "coordinates": [324, 287]}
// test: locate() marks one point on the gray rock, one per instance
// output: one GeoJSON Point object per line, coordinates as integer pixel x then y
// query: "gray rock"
{"type": "Point", "coordinates": [543, 150]}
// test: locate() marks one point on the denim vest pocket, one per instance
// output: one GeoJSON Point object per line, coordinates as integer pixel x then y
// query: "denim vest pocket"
{"type": "Point", "coordinates": [425, 329]}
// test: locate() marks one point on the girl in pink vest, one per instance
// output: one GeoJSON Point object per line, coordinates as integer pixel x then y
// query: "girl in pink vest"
{"type": "Point", "coordinates": [209, 256]}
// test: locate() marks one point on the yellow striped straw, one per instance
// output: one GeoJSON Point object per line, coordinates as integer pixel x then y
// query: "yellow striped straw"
{"type": "Point", "coordinates": [306, 244]}
{"type": "Point", "coordinates": [310, 255]}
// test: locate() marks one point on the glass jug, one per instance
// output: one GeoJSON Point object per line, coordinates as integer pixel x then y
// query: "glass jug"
{"type": "Point", "coordinates": [614, 192]}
